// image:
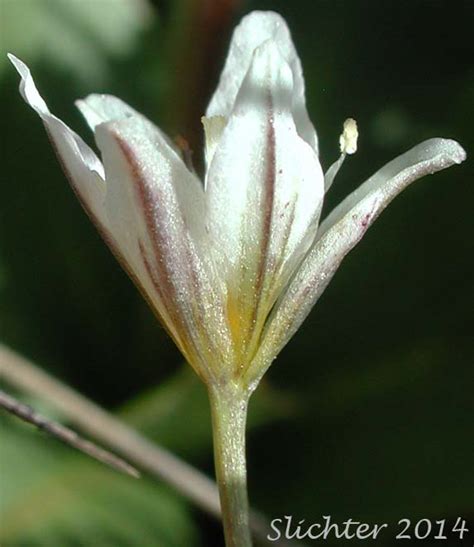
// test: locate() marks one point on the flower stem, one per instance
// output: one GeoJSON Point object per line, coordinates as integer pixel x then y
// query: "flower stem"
{"type": "Point", "coordinates": [229, 415]}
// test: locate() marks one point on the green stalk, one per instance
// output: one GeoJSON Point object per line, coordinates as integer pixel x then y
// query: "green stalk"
{"type": "Point", "coordinates": [229, 416]}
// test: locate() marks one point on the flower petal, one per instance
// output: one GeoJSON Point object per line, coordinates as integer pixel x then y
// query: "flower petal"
{"type": "Point", "coordinates": [255, 29]}
{"type": "Point", "coordinates": [264, 192]}
{"type": "Point", "coordinates": [82, 167]}
{"type": "Point", "coordinates": [155, 208]}
{"type": "Point", "coordinates": [426, 158]}
{"type": "Point", "coordinates": [100, 108]}
{"type": "Point", "coordinates": [341, 231]}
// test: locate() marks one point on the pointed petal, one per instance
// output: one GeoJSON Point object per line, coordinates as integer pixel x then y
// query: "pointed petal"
{"type": "Point", "coordinates": [342, 230]}
{"type": "Point", "coordinates": [82, 167]}
{"type": "Point", "coordinates": [255, 29]}
{"type": "Point", "coordinates": [150, 213]}
{"type": "Point", "coordinates": [155, 207]}
{"type": "Point", "coordinates": [264, 192]}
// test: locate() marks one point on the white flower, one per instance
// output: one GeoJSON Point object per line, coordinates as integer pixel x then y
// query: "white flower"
{"type": "Point", "coordinates": [231, 266]}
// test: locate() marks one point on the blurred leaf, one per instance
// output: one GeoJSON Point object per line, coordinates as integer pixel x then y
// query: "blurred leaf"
{"type": "Point", "coordinates": [88, 31]}
{"type": "Point", "coordinates": [51, 496]}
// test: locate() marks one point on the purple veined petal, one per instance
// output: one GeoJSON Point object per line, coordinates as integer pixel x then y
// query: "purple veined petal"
{"type": "Point", "coordinates": [264, 192]}
{"type": "Point", "coordinates": [81, 165]}
{"type": "Point", "coordinates": [255, 29]}
{"type": "Point", "coordinates": [151, 237]}
{"type": "Point", "coordinates": [340, 232]}
{"type": "Point", "coordinates": [155, 208]}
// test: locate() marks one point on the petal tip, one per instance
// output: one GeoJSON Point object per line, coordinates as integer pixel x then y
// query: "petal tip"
{"type": "Point", "coordinates": [455, 151]}
{"type": "Point", "coordinates": [263, 17]}
{"type": "Point", "coordinates": [27, 86]}
{"type": "Point", "coordinates": [18, 64]}
{"type": "Point", "coordinates": [449, 149]}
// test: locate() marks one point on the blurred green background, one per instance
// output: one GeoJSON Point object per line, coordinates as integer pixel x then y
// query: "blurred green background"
{"type": "Point", "coordinates": [368, 412]}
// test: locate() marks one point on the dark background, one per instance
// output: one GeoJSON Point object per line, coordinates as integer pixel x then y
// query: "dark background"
{"type": "Point", "coordinates": [368, 412]}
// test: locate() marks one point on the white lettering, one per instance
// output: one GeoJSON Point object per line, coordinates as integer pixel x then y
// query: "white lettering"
{"type": "Point", "coordinates": [297, 534]}
{"type": "Point", "coordinates": [309, 532]}
{"type": "Point", "coordinates": [378, 528]}
{"type": "Point", "coordinates": [288, 528]}
{"type": "Point", "coordinates": [273, 525]}
{"type": "Point", "coordinates": [331, 527]}
{"type": "Point", "coordinates": [349, 522]}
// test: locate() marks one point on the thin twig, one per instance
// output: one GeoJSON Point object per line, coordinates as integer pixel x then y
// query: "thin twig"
{"type": "Point", "coordinates": [96, 422]}
{"type": "Point", "coordinates": [65, 435]}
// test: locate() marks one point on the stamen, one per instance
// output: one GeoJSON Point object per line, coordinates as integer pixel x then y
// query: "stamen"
{"type": "Point", "coordinates": [348, 139]}
{"type": "Point", "coordinates": [348, 144]}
